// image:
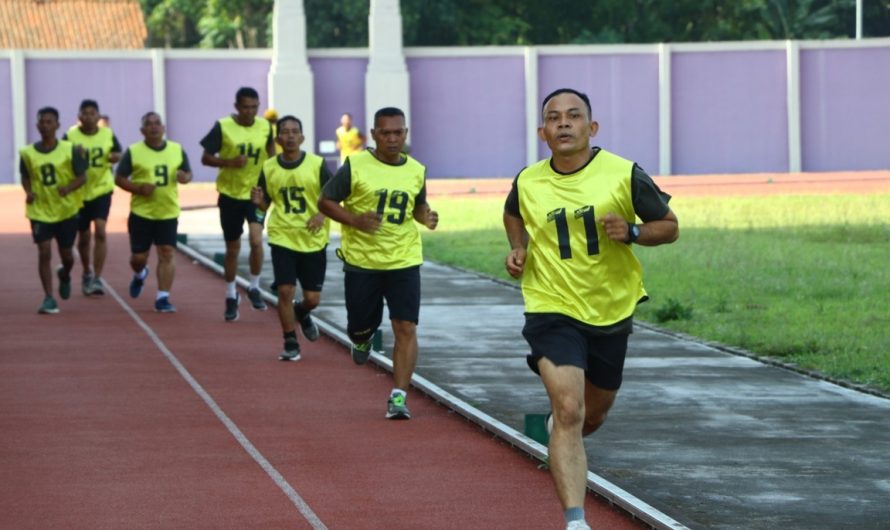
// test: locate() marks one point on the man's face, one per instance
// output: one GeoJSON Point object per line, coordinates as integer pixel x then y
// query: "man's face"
{"type": "Point", "coordinates": [390, 134]}
{"type": "Point", "coordinates": [346, 121]}
{"type": "Point", "coordinates": [567, 128]}
{"type": "Point", "coordinates": [153, 128]}
{"type": "Point", "coordinates": [247, 109]}
{"type": "Point", "coordinates": [89, 117]}
{"type": "Point", "coordinates": [290, 137]}
{"type": "Point", "coordinates": [47, 125]}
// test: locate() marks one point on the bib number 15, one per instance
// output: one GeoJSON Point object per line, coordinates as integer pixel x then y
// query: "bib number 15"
{"type": "Point", "coordinates": [585, 213]}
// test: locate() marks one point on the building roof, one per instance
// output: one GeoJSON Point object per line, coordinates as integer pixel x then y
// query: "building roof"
{"type": "Point", "coordinates": [72, 24]}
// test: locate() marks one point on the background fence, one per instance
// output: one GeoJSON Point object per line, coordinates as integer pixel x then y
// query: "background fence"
{"type": "Point", "coordinates": [675, 109]}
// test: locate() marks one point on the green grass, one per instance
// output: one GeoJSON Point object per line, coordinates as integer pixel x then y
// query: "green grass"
{"type": "Point", "coordinates": [803, 279]}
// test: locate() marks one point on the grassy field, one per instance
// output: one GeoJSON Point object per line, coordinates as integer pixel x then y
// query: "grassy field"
{"type": "Point", "coordinates": [802, 279]}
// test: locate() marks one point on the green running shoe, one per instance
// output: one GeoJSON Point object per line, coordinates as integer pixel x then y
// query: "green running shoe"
{"type": "Point", "coordinates": [49, 306]}
{"type": "Point", "coordinates": [396, 408]}
{"type": "Point", "coordinates": [64, 283]}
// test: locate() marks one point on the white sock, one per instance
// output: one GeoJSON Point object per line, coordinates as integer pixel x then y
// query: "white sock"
{"type": "Point", "coordinates": [231, 291]}
{"type": "Point", "coordinates": [398, 392]}
{"type": "Point", "coordinates": [162, 294]}
{"type": "Point", "coordinates": [254, 281]}
{"type": "Point", "coordinates": [142, 274]}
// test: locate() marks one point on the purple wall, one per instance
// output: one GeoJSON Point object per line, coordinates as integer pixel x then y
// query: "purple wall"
{"type": "Point", "coordinates": [339, 88]}
{"type": "Point", "coordinates": [467, 115]}
{"type": "Point", "coordinates": [200, 92]}
{"type": "Point", "coordinates": [729, 112]}
{"type": "Point", "coordinates": [623, 91]}
{"type": "Point", "coordinates": [122, 87]}
{"type": "Point", "coordinates": [729, 108]}
{"type": "Point", "coordinates": [845, 109]}
{"type": "Point", "coordinates": [7, 144]}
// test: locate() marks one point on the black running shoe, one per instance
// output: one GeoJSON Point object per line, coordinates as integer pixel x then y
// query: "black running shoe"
{"type": "Point", "coordinates": [232, 308]}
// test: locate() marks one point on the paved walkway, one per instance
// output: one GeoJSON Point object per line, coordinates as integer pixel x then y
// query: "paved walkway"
{"type": "Point", "coordinates": [712, 439]}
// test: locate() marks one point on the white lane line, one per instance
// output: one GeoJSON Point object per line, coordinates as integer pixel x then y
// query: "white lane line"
{"type": "Point", "coordinates": [273, 473]}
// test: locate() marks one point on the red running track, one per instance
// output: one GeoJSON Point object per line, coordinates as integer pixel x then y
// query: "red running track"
{"type": "Point", "coordinates": [98, 428]}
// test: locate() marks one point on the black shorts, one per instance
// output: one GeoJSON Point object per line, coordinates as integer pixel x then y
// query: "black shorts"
{"type": "Point", "coordinates": [290, 265]}
{"type": "Point", "coordinates": [565, 341]}
{"type": "Point", "coordinates": [365, 292]}
{"type": "Point", "coordinates": [97, 208]}
{"type": "Point", "coordinates": [147, 232]}
{"type": "Point", "coordinates": [64, 232]}
{"type": "Point", "coordinates": [233, 213]}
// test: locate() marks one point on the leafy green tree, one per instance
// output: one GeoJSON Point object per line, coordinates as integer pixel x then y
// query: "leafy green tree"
{"type": "Point", "coordinates": [344, 23]}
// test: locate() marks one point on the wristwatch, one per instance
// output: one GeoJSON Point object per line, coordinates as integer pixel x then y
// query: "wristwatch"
{"type": "Point", "coordinates": [633, 232]}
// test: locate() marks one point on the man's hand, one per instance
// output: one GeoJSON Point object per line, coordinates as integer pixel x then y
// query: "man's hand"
{"type": "Point", "coordinates": [615, 227]}
{"type": "Point", "coordinates": [64, 191]}
{"type": "Point", "coordinates": [515, 262]}
{"type": "Point", "coordinates": [367, 222]}
{"type": "Point", "coordinates": [183, 177]}
{"type": "Point", "coordinates": [316, 222]}
{"type": "Point", "coordinates": [432, 219]}
{"type": "Point", "coordinates": [256, 196]}
{"type": "Point", "coordinates": [145, 189]}
{"type": "Point", "coordinates": [239, 161]}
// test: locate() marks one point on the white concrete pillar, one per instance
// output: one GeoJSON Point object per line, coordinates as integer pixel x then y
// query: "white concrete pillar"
{"type": "Point", "coordinates": [291, 85]}
{"type": "Point", "coordinates": [386, 82]}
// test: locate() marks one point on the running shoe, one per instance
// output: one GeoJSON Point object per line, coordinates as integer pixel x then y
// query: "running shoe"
{"type": "Point", "coordinates": [361, 352]}
{"type": "Point", "coordinates": [396, 408]}
{"type": "Point", "coordinates": [291, 350]}
{"type": "Point", "coordinates": [136, 284]}
{"type": "Point", "coordinates": [310, 328]}
{"type": "Point", "coordinates": [49, 306]}
{"type": "Point", "coordinates": [578, 524]}
{"type": "Point", "coordinates": [97, 288]}
{"type": "Point", "coordinates": [64, 282]}
{"type": "Point", "coordinates": [232, 308]}
{"type": "Point", "coordinates": [163, 305]}
{"type": "Point", "coordinates": [86, 286]}
{"type": "Point", "coordinates": [256, 299]}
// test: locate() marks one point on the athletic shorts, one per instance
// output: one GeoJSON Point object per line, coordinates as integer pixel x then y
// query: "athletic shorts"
{"type": "Point", "coordinates": [233, 213]}
{"type": "Point", "coordinates": [97, 208]}
{"type": "Point", "coordinates": [64, 232]}
{"type": "Point", "coordinates": [565, 341]}
{"type": "Point", "coordinates": [366, 291]}
{"type": "Point", "coordinates": [290, 265]}
{"type": "Point", "coordinates": [147, 232]}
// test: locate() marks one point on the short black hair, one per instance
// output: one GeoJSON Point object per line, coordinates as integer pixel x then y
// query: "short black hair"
{"type": "Point", "coordinates": [559, 91]}
{"type": "Point", "coordinates": [289, 118]}
{"type": "Point", "coordinates": [246, 92]}
{"type": "Point", "coordinates": [147, 115]}
{"type": "Point", "coordinates": [388, 112]}
{"type": "Point", "coordinates": [89, 103]}
{"type": "Point", "coordinates": [48, 110]}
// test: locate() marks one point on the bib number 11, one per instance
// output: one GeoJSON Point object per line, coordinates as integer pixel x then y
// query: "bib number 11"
{"type": "Point", "coordinates": [585, 213]}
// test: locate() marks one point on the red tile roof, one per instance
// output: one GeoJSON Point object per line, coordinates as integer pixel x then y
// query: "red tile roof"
{"type": "Point", "coordinates": [71, 24]}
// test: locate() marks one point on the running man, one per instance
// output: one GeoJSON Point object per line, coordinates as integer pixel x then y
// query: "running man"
{"type": "Point", "coordinates": [349, 139]}
{"type": "Point", "coordinates": [298, 233]}
{"type": "Point", "coordinates": [382, 191]}
{"type": "Point", "coordinates": [570, 220]}
{"type": "Point", "coordinates": [151, 171]}
{"type": "Point", "coordinates": [239, 145]}
{"type": "Point", "coordinates": [51, 171]}
{"type": "Point", "coordinates": [102, 150]}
